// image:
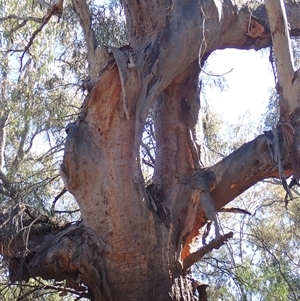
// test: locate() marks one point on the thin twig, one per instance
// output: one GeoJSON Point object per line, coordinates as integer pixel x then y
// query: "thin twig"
{"type": "Point", "coordinates": [33, 36]}
{"type": "Point", "coordinates": [55, 10]}
{"type": "Point", "coordinates": [66, 211]}
{"type": "Point", "coordinates": [64, 190]}
{"type": "Point", "coordinates": [217, 75]}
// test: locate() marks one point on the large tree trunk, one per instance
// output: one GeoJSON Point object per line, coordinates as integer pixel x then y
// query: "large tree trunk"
{"type": "Point", "coordinates": [133, 241]}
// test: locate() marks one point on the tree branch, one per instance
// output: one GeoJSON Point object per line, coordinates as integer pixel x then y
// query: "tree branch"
{"type": "Point", "coordinates": [66, 211]}
{"type": "Point", "coordinates": [244, 167]}
{"type": "Point", "coordinates": [288, 79]}
{"type": "Point", "coordinates": [64, 190]}
{"type": "Point", "coordinates": [288, 83]}
{"type": "Point", "coordinates": [82, 10]}
{"type": "Point", "coordinates": [143, 19]}
{"type": "Point", "coordinates": [214, 244]}
{"type": "Point", "coordinates": [235, 210]}
{"type": "Point", "coordinates": [68, 254]}
{"type": "Point", "coordinates": [34, 19]}
{"type": "Point", "coordinates": [3, 123]}
{"type": "Point", "coordinates": [237, 172]}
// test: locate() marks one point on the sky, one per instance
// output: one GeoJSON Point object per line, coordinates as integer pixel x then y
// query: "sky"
{"type": "Point", "coordinates": [249, 83]}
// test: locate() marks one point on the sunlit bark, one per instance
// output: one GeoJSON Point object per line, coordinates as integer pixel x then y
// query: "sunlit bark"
{"type": "Point", "coordinates": [136, 238]}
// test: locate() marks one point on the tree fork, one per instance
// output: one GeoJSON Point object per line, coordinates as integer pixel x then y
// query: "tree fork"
{"type": "Point", "coordinates": [139, 256]}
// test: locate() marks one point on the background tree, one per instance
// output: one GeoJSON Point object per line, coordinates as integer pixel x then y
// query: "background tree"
{"type": "Point", "coordinates": [133, 242]}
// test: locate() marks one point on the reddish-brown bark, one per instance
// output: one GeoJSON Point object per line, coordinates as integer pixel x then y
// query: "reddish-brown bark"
{"type": "Point", "coordinates": [135, 249]}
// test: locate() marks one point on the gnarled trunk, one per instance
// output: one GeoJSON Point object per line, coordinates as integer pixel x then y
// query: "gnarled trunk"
{"type": "Point", "coordinates": [133, 241]}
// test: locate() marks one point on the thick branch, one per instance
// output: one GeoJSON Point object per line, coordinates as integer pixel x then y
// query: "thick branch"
{"type": "Point", "coordinates": [143, 19]}
{"type": "Point", "coordinates": [34, 19]}
{"type": "Point", "coordinates": [214, 244]}
{"type": "Point", "coordinates": [249, 164]}
{"type": "Point", "coordinates": [280, 36]}
{"type": "Point", "coordinates": [68, 254]}
{"type": "Point", "coordinates": [288, 79]}
{"type": "Point", "coordinates": [83, 12]}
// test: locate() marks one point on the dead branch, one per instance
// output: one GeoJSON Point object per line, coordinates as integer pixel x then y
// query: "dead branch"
{"type": "Point", "coordinates": [46, 289]}
{"type": "Point", "coordinates": [22, 227]}
{"type": "Point", "coordinates": [201, 289]}
{"type": "Point", "coordinates": [214, 244]}
{"type": "Point", "coordinates": [67, 254]}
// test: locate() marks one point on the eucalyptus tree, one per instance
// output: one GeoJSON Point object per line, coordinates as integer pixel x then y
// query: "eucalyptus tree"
{"type": "Point", "coordinates": [133, 241]}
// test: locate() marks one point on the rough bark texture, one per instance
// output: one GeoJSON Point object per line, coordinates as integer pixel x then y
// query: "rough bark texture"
{"type": "Point", "coordinates": [133, 240]}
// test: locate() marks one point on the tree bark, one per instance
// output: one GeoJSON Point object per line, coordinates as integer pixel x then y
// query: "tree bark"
{"type": "Point", "coordinates": [133, 239]}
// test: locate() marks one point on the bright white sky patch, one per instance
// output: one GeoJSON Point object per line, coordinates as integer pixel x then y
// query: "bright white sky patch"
{"type": "Point", "coordinates": [249, 83]}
